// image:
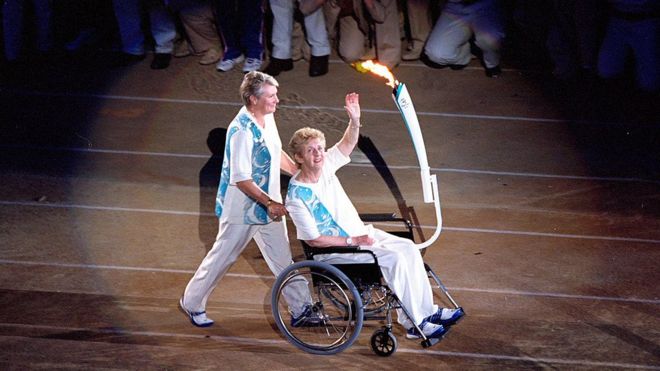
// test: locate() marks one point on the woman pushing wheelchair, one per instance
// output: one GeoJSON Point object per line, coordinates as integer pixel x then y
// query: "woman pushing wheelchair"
{"type": "Point", "coordinates": [324, 216]}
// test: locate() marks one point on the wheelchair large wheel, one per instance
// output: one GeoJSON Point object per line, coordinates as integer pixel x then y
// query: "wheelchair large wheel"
{"type": "Point", "coordinates": [336, 312]}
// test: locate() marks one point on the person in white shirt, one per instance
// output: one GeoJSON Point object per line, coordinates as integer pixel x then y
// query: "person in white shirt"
{"type": "Point", "coordinates": [249, 204]}
{"type": "Point", "coordinates": [324, 216]}
{"type": "Point", "coordinates": [315, 34]}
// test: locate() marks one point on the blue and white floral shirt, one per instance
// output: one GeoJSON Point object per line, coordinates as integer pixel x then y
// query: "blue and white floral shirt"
{"type": "Point", "coordinates": [251, 152]}
{"type": "Point", "coordinates": [323, 208]}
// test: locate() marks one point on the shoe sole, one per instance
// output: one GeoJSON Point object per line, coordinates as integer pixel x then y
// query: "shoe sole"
{"type": "Point", "coordinates": [190, 317]}
{"type": "Point", "coordinates": [416, 337]}
{"type": "Point", "coordinates": [251, 69]}
{"type": "Point", "coordinates": [447, 324]}
{"type": "Point", "coordinates": [236, 61]}
{"type": "Point", "coordinates": [459, 319]}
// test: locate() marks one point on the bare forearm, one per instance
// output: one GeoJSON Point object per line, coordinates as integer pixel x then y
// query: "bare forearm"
{"type": "Point", "coordinates": [352, 132]}
{"type": "Point", "coordinates": [350, 138]}
{"type": "Point", "coordinates": [275, 209]}
{"type": "Point", "coordinates": [253, 191]}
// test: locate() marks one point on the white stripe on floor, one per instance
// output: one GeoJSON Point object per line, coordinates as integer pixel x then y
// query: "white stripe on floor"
{"type": "Point", "coordinates": [281, 343]}
{"type": "Point", "coordinates": [396, 167]}
{"type": "Point", "coordinates": [270, 277]}
{"type": "Point", "coordinates": [302, 107]}
{"type": "Point", "coordinates": [444, 228]}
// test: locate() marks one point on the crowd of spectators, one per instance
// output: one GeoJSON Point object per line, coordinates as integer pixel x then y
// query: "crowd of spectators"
{"type": "Point", "coordinates": [601, 39]}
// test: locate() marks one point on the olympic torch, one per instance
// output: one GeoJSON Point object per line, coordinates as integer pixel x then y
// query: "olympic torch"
{"type": "Point", "coordinates": [405, 105]}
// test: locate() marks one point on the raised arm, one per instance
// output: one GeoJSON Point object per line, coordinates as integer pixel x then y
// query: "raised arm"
{"type": "Point", "coordinates": [352, 133]}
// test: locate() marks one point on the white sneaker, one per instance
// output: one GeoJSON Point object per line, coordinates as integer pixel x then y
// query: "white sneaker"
{"type": "Point", "coordinates": [227, 64]}
{"type": "Point", "coordinates": [252, 64]}
{"type": "Point", "coordinates": [198, 319]}
{"type": "Point", "coordinates": [446, 316]}
{"type": "Point", "coordinates": [430, 330]}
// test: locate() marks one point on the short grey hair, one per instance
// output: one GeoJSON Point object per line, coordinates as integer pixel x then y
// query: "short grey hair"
{"type": "Point", "coordinates": [253, 83]}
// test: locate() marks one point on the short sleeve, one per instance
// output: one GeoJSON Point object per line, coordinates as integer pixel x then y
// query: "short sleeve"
{"type": "Point", "coordinates": [306, 228]}
{"type": "Point", "coordinates": [335, 159]}
{"type": "Point", "coordinates": [240, 145]}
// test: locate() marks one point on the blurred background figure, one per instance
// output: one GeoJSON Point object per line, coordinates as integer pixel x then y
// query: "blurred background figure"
{"type": "Point", "coordinates": [574, 38]}
{"type": "Point", "coordinates": [316, 35]}
{"type": "Point", "coordinates": [352, 22]}
{"type": "Point", "coordinates": [201, 31]}
{"type": "Point", "coordinates": [632, 35]}
{"type": "Point", "coordinates": [13, 20]}
{"type": "Point", "coordinates": [241, 23]}
{"type": "Point", "coordinates": [461, 22]}
{"type": "Point", "coordinates": [163, 30]}
{"type": "Point", "coordinates": [83, 25]}
{"type": "Point", "coordinates": [420, 21]}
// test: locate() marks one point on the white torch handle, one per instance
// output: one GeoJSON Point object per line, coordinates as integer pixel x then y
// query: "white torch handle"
{"type": "Point", "coordinates": [433, 181]}
{"type": "Point", "coordinates": [429, 182]}
{"type": "Point", "coordinates": [405, 105]}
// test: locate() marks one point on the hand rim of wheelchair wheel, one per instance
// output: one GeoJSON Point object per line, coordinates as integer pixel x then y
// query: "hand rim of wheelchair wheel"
{"type": "Point", "coordinates": [352, 315]}
{"type": "Point", "coordinates": [317, 307]}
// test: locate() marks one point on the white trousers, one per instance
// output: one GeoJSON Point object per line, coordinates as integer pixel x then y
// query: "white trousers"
{"type": "Point", "coordinates": [317, 35]}
{"type": "Point", "coordinates": [273, 242]}
{"type": "Point", "coordinates": [403, 270]}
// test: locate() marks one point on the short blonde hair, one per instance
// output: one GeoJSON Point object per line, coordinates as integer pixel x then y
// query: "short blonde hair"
{"type": "Point", "coordinates": [301, 137]}
{"type": "Point", "coordinates": [253, 83]}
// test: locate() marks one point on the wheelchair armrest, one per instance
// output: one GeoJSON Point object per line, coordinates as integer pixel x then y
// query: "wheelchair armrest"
{"type": "Point", "coordinates": [335, 249]}
{"type": "Point", "coordinates": [379, 217]}
{"type": "Point", "coordinates": [390, 217]}
{"type": "Point", "coordinates": [310, 251]}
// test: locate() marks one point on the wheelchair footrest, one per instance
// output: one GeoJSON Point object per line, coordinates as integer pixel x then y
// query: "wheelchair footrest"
{"type": "Point", "coordinates": [430, 342]}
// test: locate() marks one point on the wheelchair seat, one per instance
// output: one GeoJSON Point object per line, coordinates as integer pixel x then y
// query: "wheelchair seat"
{"type": "Point", "coordinates": [361, 274]}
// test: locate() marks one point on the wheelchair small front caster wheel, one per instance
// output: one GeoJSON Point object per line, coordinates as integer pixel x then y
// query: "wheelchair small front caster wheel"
{"type": "Point", "coordinates": [383, 342]}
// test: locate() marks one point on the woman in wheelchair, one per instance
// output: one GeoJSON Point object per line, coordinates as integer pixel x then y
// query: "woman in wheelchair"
{"type": "Point", "coordinates": [324, 216]}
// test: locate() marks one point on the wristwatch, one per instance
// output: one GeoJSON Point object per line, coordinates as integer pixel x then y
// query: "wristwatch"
{"type": "Point", "coordinates": [349, 241]}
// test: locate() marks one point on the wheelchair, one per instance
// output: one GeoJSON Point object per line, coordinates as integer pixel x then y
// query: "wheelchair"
{"type": "Point", "coordinates": [344, 296]}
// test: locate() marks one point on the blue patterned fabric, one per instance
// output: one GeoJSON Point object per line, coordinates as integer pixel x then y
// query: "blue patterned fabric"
{"type": "Point", "coordinates": [324, 222]}
{"type": "Point", "coordinates": [255, 213]}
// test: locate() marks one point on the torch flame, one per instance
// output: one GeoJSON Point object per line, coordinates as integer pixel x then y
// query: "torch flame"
{"type": "Point", "coordinates": [377, 69]}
